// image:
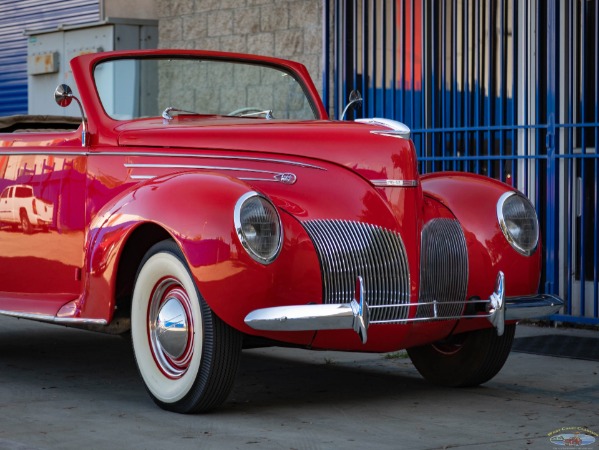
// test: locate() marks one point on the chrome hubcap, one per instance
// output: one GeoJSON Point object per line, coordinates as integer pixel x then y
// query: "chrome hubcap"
{"type": "Point", "coordinates": [171, 328]}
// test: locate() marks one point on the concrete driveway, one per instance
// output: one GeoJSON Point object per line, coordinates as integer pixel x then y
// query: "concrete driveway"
{"type": "Point", "coordinates": [69, 389]}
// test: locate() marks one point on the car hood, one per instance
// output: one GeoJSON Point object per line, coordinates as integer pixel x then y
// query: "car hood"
{"type": "Point", "coordinates": [364, 148]}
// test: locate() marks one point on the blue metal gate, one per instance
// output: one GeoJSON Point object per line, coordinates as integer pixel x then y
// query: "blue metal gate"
{"type": "Point", "coordinates": [505, 88]}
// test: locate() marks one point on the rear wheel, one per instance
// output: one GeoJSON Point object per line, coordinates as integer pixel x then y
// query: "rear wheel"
{"type": "Point", "coordinates": [186, 355]}
{"type": "Point", "coordinates": [25, 223]}
{"type": "Point", "coordinates": [467, 359]}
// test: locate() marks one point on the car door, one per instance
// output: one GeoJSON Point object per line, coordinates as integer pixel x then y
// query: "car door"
{"type": "Point", "coordinates": [41, 264]}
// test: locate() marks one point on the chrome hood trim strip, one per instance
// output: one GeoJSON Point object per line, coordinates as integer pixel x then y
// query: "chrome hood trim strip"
{"type": "Point", "coordinates": [211, 156]}
{"type": "Point", "coordinates": [395, 183]}
{"type": "Point", "coordinates": [277, 177]}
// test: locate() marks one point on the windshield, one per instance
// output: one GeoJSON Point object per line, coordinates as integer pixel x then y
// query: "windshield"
{"type": "Point", "coordinates": [136, 88]}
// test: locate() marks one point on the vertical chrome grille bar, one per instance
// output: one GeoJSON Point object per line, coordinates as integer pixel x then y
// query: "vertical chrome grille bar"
{"type": "Point", "coordinates": [443, 268]}
{"type": "Point", "coordinates": [350, 249]}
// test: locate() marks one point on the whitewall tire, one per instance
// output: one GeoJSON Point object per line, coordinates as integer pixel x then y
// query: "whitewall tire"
{"type": "Point", "coordinates": [186, 356]}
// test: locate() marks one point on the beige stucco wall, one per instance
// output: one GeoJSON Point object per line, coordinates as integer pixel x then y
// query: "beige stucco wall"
{"type": "Point", "coordinates": [281, 28]}
{"type": "Point", "coordinates": [129, 9]}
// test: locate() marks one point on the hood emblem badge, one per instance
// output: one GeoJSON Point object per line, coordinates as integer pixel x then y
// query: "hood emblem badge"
{"type": "Point", "coordinates": [286, 178]}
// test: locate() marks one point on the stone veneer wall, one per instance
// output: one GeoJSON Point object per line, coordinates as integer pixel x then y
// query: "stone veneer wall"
{"type": "Point", "coordinates": [289, 29]}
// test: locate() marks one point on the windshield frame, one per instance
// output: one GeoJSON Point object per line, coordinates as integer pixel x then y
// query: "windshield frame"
{"type": "Point", "coordinates": [313, 103]}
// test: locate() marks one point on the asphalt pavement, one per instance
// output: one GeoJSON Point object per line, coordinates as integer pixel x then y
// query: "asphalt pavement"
{"type": "Point", "coordinates": [69, 389]}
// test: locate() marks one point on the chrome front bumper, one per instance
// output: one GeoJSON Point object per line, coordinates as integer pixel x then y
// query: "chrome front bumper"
{"type": "Point", "coordinates": [355, 315]}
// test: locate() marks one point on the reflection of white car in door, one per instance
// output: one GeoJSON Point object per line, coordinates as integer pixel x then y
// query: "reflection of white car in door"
{"type": "Point", "coordinates": [18, 205]}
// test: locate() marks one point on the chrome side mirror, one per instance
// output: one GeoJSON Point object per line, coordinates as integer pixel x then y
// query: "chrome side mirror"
{"type": "Point", "coordinates": [355, 101]}
{"type": "Point", "coordinates": [63, 96]}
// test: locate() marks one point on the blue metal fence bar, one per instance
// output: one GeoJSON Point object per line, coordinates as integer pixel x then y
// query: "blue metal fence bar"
{"type": "Point", "coordinates": [466, 78]}
{"type": "Point", "coordinates": [551, 277]}
{"type": "Point", "coordinates": [583, 213]}
{"type": "Point", "coordinates": [337, 78]}
{"type": "Point", "coordinates": [454, 74]}
{"type": "Point", "coordinates": [412, 84]}
{"type": "Point", "coordinates": [433, 24]}
{"type": "Point", "coordinates": [515, 94]}
{"type": "Point", "coordinates": [364, 35]}
{"type": "Point", "coordinates": [570, 166]}
{"type": "Point", "coordinates": [509, 158]}
{"type": "Point", "coordinates": [501, 83]}
{"type": "Point", "coordinates": [525, 61]}
{"type": "Point", "coordinates": [492, 128]}
{"type": "Point", "coordinates": [426, 70]}
{"type": "Point", "coordinates": [399, 15]}
{"type": "Point", "coordinates": [326, 52]}
{"type": "Point", "coordinates": [477, 80]}
{"type": "Point", "coordinates": [596, 221]}
{"type": "Point", "coordinates": [540, 93]}
{"type": "Point", "coordinates": [442, 80]}
{"type": "Point", "coordinates": [355, 56]}
{"type": "Point", "coordinates": [488, 49]}
{"type": "Point", "coordinates": [393, 52]}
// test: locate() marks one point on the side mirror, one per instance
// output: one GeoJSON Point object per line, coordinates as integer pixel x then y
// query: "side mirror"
{"type": "Point", "coordinates": [355, 101]}
{"type": "Point", "coordinates": [63, 96]}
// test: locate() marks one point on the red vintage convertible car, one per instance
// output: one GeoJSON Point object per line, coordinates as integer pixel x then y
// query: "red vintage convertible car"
{"type": "Point", "coordinates": [204, 202]}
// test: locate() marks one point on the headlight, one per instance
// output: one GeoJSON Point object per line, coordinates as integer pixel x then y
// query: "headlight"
{"type": "Point", "coordinates": [258, 227]}
{"type": "Point", "coordinates": [518, 221]}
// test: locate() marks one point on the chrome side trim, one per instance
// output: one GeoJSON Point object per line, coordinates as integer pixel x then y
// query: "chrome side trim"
{"type": "Point", "coordinates": [67, 320]}
{"type": "Point", "coordinates": [395, 183]}
{"type": "Point", "coordinates": [48, 151]}
{"type": "Point", "coordinates": [53, 319]}
{"type": "Point", "coordinates": [44, 152]}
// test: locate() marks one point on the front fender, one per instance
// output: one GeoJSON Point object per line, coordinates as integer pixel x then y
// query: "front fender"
{"type": "Point", "coordinates": [473, 200]}
{"type": "Point", "coordinates": [195, 210]}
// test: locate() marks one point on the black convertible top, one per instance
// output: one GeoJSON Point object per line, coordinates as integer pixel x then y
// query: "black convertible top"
{"type": "Point", "coordinates": [38, 123]}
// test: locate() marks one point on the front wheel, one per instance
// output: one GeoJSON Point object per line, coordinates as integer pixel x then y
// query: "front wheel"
{"type": "Point", "coordinates": [467, 359]}
{"type": "Point", "coordinates": [186, 355]}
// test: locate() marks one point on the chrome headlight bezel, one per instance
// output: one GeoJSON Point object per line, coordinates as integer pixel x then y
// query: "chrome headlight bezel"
{"type": "Point", "coordinates": [506, 223]}
{"type": "Point", "coordinates": [273, 220]}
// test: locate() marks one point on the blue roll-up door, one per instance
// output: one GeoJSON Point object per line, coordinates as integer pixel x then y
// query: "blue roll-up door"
{"type": "Point", "coordinates": [16, 16]}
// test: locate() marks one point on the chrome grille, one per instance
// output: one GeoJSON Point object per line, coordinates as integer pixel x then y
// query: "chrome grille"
{"type": "Point", "coordinates": [443, 268]}
{"type": "Point", "coordinates": [347, 249]}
